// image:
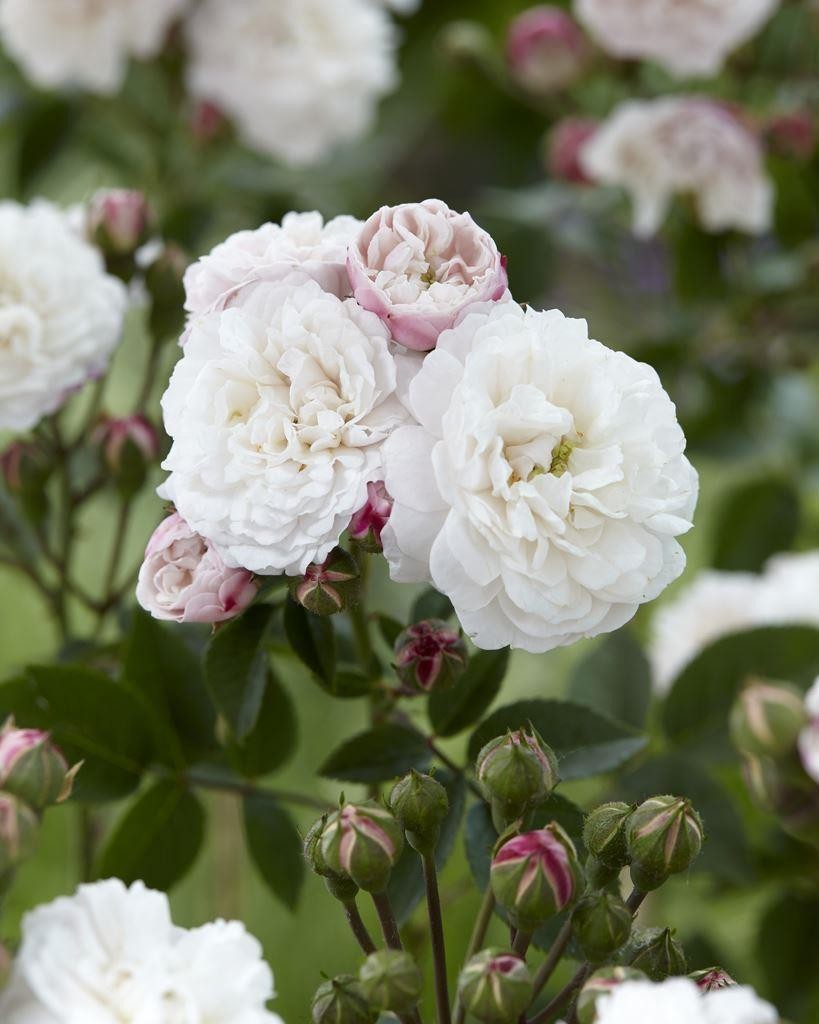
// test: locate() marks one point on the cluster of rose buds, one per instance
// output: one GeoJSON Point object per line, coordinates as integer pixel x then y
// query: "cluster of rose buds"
{"type": "Point", "coordinates": [389, 981]}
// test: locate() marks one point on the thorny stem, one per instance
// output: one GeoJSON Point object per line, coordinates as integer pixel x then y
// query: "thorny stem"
{"type": "Point", "coordinates": [436, 930]}
{"type": "Point", "coordinates": [389, 927]}
{"type": "Point", "coordinates": [358, 927]}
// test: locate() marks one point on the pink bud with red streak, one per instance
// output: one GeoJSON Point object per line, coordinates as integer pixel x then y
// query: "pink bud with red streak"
{"type": "Point", "coordinates": [430, 655]}
{"type": "Point", "coordinates": [362, 842]}
{"type": "Point", "coordinates": [366, 525]}
{"type": "Point", "coordinates": [565, 146]}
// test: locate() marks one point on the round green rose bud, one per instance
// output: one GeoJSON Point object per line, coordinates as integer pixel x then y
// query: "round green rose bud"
{"type": "Point", "coordinates": [495, 987]}
{"type": "Point", "coordinates": [18, 832]}
{"type": "Point", "coordinates": [601, 983]}
{"type": "Point", "coordinates": [340, 886]}
{"type": "Point", "coordinates": [664, 836]}
{"type": "Point", "coordinates": [329, 586]}
{"type": "Point", "coordinates": [766, 719]}
{"type": "Point", "coordinates": [604, 833]}
{"type": "Point", "coordinates": [341, 1000]}
{"type": "Point", "coordinates": [420, 804]}
{"type": "Point", "coordinates": [658, 954]}
{"type": "Point", "coordinates": [391, 981]}
{"type": "Point", "coordinates": [362, 842]}
{"type": "Point", "coordinates": [430, 655]}
{"type": "Point", "coordinates": [601, 924]}
{"type": "Point", "coordinates": [516, 772]}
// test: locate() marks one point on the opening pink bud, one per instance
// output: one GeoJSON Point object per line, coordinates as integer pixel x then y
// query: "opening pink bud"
{"type": "Point", "coordinates": [565, 145]}
{"type": "Point", "coordinates": [792, 134]}
{"type": "Point", "coordinates": [119, 220]}
{"type": "Point", "coordinates": [32, 767]}
{"type": "Point", "coordinates": [545, 49]}
{"type": "Point", "coordinates": [113, 434]}
{"type": "Point", "coordinates": [207, 122]}
{"type": "Point", "coordinates": [540, 854]}
{"type": "Point", "coordinates": [712, 979]}
{"type": "Point", "coordinates": [14, 743]}
{"type": "Point", "coordinates": [366, 525]}
{"type": "Point", "coordinates": [430, 655]}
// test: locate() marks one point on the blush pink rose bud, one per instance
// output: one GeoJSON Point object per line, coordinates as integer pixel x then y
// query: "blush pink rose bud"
{"type": "Point", "coordinates": [516, 772]}
{"type": "Point", "coordinates": [536, 875]}
{"type": "Point", "coordinates": [545, 50]}
{"type": "Point", "coordinates": [664, 836]}
{"type": "Point", "coordinates": [496, 987]}
{"type": "Point", "coordinates": [600, 984]}
{"type": "Point", "coordinates": [429, 655]}
{"type": "Point", "coordinates": [566, 142]}
{"type": "Point", "coordinates": [129, 445]}
{"type": "Point", "coordinates": [419, 266]}
{"type": "Point", "coordinates": [18, 832]}
{"type": "Point", "coordinates": [712, 979]}
{"type": "Point", "coordinates": [792, 134]}
{"type": "Point", "coordinates": [119, 221]}
{"type": "Point", "coordinates": [362, 842]}
{"type": "Point", "coordinates": [330, 586]}
{"type": "Point", "coordinates": [366, 525]}
{"type": "Point", "coordinates": [32, 768]}
{"type": "Point", "coordinates": [184, 578]}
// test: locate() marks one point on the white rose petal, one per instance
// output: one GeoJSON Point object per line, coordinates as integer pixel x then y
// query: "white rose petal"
{"type": "Point", "coordinates": [680, 1001]}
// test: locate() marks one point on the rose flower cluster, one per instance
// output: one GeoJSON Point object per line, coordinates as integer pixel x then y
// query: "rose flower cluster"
{"type": "Point", "coordinates": [380, 374]}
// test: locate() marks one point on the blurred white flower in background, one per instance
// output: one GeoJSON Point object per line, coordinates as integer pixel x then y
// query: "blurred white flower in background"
{"type": "Point", "coordinates": [297, 76]}
{"type": "Point", "coordinates": [85, 43]}
{"type": "Point", "coordinates": [687, 145]}
{"type": "Point", "coordinates": [545, 484]}
{"type": "Point", "coordinates": [808, 743]}
{"type": "Point", "coordinates": [680, 1001]}
{"type": "Point", "coordinates": [111, 953]}
{"type": "Point", "coordinates": [686, 37]}
{"type": "Point", "coordinates": [61, 314]}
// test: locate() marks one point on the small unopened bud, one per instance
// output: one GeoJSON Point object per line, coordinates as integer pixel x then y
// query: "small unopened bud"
{"type": "Point", "coordinates": [792, 134]}
{"type": "Point", "coordinates": [32, 768]}
{"type": "Point", "coordinates": [791, 795]}
{"type": "Point", "coordinates": [536, 875]}
{"type": "Point", "coordinates": [516, 772]}
{"type": "Point", "coordinates": [366, 525]}
{"type": "Point", "coordinates": [712, 979]}
{"type": "Point", "coordinates": [601, 925]}
{"type": "Point", "coordinates": [430, 655]}
{"type": "Point", "coordinates": [330, 586]}
{"type": "Point", "coordinates": [207, 122]}
{"type": "Point", "coordinates": [420, 804]}
{"type": "Point", "coordinates": [25, 469]}
{"type": "Point", "coordinates": [601, 983]}
{"type": "Point", "coordinates": [128, 445]}
{"type": "Point", "coordinates": [18, 832]}
{"type": "Point", "coordinates": [341, 1000]}
{"type": "Point", "coordinates": [495, 987]}
{"type": "Point", "coordinates": [362, 842]}
{"type": "Point", "coordinates": [340, 886]}
{"type": "Point", "coordinates": [391, 981]}
{"type": "Point", "coordinates": [659, 955]}
{"type": "Point", "coordinates": [119, 221]}
{"type": "Point", "coordinates": [664, 836]}
{"type": "Point", "coordinates": [604, 833]}
{"type": "Point", "coordinates": [545, 50]}
{"type": "Point", "coordinates": [766, 719]}
{"type": "Point", "coordinates": [467, 42]}
{"type": "Point", "coordinates": [566, 142]}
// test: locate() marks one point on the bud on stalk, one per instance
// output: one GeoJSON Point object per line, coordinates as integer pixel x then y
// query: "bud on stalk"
{"type": "Point", "coordinates": [601, 924]}
{"type": "Point", "coordinates": [366, 525]}
{"type": "Point", "coordinates": [390, 981]}
{"type": "Point", "coordinates": [341, 1000]}
{"type": "Point", "coordinates": [604, 833]}
{"type": "Point", "coordinates": [601, 983]}
{"type": "Point", "coordinates": [328, 587]}
{"type": "Point", "coordinates": [429, 655]}
{"type": "Point", "coordinates": [659, 955]}
{"type": "Point", "coordinates": [712, 979]}
{"type": "Point", "coordinates": [495, 987]}
{"type": "Point", "coordinates": [566, 142]}
{"type": "Point", "coordinates": [32, 768]}
{"type": "Point", "coordinates": [362, 842]}
{"type": "Point", "coordinates": [516, 772]}
{"type": "Point", "coordinates": [536, 875]}
{"type": "Point", "coordinates": [664, 837]}
{"type": "Point", "coordinates": [785, 790]}
{"type": "Point", "coordinates": [339, 886]}
{"type": "Point", "coordinates": [545, 50]}
{"type": "Point", "coordinates": [119, 221]}
{"type": "Point", "coordinates": [420, 804]}
{"type": "Point", "coordinates": [766, 719]}
{"type": "Point", "coordinates": [25, 469]}
{"type": "Point", "coordinates": [18, 832]}
{"type": "Point", "coordinates": [128, 447]}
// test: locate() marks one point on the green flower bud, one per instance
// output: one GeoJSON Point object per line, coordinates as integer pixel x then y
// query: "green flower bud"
{"type": "Point", "coordinates": [341, 1000]}
{"type": "Point", "coordinates": [495, 987]}
{"type": "Point", "coordinates": [420, 804]}
{"type": "Point", "coordinates": [430, 655]}
{"type": "Point", "coordinates": [664, 836]}
{"type": "Point", "coordinates": [601, 924]}
{"type": "Point", "coordinates": [328, 587]}
{"type": "Point", "coordinates": [604, 833]}
{"type": "Point", "coordinates": [712, 979]}
{"type": "Point", "coordinates": [598, 876]}
{"type": "Point", "coordinates": [362, 842]}
{"type": "Point", "coordinates": [658, 954]}
{"type": "Point", "coordinates": [32, 768]}
{"type": "Point", "coordinates": [536, 875]}
{"type": "Point", "coordinates": [18, 832]}
{"type": "Point", "coordinates": [516, 772]}
{"type": "Point", "coordinates": [391, 981]}
{"type": "Point", "coordinates": [601, 983]}
{"type": "Point", "coordinates": [340, 886]}
{"type": "Point", "coordinates": [766, 719]}
{"type": "Point", "coordinates": [784, 790]}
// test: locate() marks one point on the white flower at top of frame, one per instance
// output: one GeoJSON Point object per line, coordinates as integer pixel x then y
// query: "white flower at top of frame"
{"type": "Point", "coordinates": [85, 43]}
{"type": "Point", "coordinates": [61, 314]}
{"type": "Point", "coordinates": [302, 240]}
{"type": "Point", "coordinates": [111, 953]}
{"type": "Point", "coordinates": [689, 145]}
{"type": "Point", "coordinates": [278, 411]}
{"type": "Point", "coordinates": [545, 484]}
{"type": "Point", "coordinates": [297, 76]}
{"type": "Point", "coordinates": [686, 37]}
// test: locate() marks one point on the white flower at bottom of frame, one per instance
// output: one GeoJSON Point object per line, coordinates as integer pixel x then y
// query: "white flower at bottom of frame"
{"type": "Point", "coordinates": [679, 1001]}
{"type": "Point", "coordinates": [545, 484]}
{"type": "Point", "coordinates": [278, 411]}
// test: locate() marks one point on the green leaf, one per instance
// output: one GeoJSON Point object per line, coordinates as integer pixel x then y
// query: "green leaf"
{"type": "Point", "coordinates": [272, 739]}
{"type": "Point", "coordinates": [161, 666]}
{"type": "Point", "coordinates": [93, 719]}
{"type": "Point", "coordinates": [431, 605]}
{"type": "Point", "coordinates": [275, 847]}
{"type": "Point", "coordinates": [696, 709]}
{"type": "Point", "coordinates": [453, 710]}
{"type": "Point", "coordinates": [586, 742]}
{"type": "Point", "coordinates": [615, 678]}
{"type": "Point", "coordinates": [786, 953]}
{"type": "Point", "coordinates": [753, 523]}
{"type": "Point", "coordinates": [313, 641]}
{"type": "Point", "coordinates": [236, 667]}
{"type": "Point", "coordinates": [389, 628]}
{"type": "Point", "coordinates": [377, 755]}
{"type": "Point", "coordinates": [406, 888]}
{"type": "Point", "coordinates": [157, 839]}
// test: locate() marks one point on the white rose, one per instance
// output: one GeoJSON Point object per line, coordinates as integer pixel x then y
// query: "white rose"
{"type": "Point", "coordinates": [85, 43]}
{"type": "Point", "coordinates": [679, 1001]}
{"type": "Point", "coordinates": [790, 589]}
{"type": "Point", "coordinates": [682, 145]}
{"type": "Point", "coordinates": [111, 953]}
{"type": "Point", "coordinates": [278, 411]}
{"type": "Point", "coordinates": [297, 76]}
{"type": "Point", "coordinates": [545, 484]}
{"type": "Point", "coordinates": [60, 313]}
{"type": "Point", "coordinates": [686, 37]}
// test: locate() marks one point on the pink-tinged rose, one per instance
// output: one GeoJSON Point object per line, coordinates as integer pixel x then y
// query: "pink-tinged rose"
{"type": "Point", "coordinates": [419, 266]}
{"type": "Point", "coordinates": [119, 220]}
{"type": "Point", "coordinates": [565, 145]}
{"type": "Point", "coordinates": [792, 135]}
{"type": "Point", "coordinates": [112, 434]}
{"type": "Point", "coordinates": [184, 578]}
{"type": "Point", "coordinates": [366, 525]}
{"type": "Point", "coordinates": [545, 49]}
